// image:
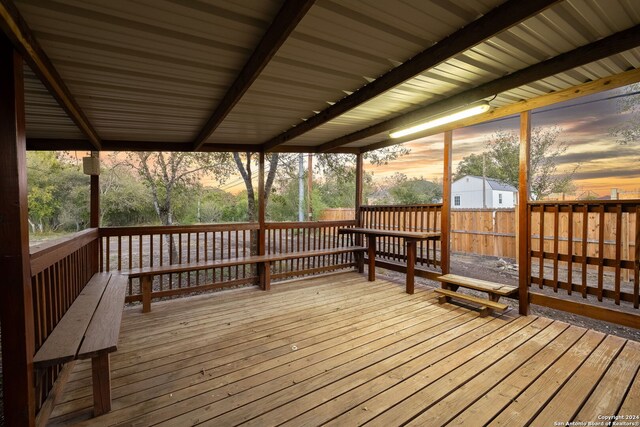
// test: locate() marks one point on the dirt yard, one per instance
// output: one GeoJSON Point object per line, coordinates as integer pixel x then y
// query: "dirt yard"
{"type": "Point", "coordinates": [504, 271]}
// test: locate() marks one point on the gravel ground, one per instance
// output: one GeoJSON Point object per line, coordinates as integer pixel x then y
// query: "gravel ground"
{"type": "Point", "coordinates": [505, 272]}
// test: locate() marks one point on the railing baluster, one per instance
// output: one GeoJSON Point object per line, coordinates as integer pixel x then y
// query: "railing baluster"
{"type": "Point", "coordinates": [636, 270]}
{"type": "Point", "coordinates": [618, 259]}
{"type": "Point", "coordinates": [585, 243]}
{"type": "Point", "coordinates": [570, 250]}
{"type": "Point", "coordinates": [601, 253]}
{"type": "Point", "coordinates": [556, 242]}
{"type": "Point", "coordinates": [542, 251]}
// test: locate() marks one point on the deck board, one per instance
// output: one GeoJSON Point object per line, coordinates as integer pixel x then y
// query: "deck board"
{"type": "Point", "coordinates": [338, 350]}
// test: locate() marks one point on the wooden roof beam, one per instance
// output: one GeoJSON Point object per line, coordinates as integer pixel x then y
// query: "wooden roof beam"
{"type": "Point", "coordinates": [589, 88]}
{"type": "Point", "coordinates": [16, 28]}
{"type": "Point", "coordinates": [284, 23]}
{"type": "Point", "coordinates": [52, 144]}
{"type": "Point", "coordinates": [495, 21]}
{"type": "Point", "coordinates": [613, 44]}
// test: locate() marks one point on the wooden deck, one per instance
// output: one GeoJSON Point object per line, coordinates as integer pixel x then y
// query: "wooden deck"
{"type": "Point", "coordinates": [342, 351]}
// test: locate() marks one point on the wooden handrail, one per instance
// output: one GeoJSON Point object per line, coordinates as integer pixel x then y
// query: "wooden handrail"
{"type": "Point", "coordinates": [158, 229]}
{"type": "Point", "coordinates": [48, 253]}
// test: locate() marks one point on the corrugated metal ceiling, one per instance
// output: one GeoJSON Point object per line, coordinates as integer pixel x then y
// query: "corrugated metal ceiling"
{"type": "Point", "coordinates": [154, 70]}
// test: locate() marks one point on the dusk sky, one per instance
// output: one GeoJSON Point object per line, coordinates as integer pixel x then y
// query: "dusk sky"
{"type": "Point", "coordinates": [585, 124]}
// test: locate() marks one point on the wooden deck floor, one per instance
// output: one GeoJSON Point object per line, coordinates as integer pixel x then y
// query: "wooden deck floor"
{"type": "Point", "coordinates": [342, 351]}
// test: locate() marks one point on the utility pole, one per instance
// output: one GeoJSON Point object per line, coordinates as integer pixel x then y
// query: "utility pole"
{"type": "Point", "coordinates": [301, 187]}
{"type": "Point", "coordinates": [484, 181]}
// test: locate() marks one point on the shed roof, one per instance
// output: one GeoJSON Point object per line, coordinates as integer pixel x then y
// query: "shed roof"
{"type": "Point", "coordinates": [151, 74]}
{"type": "Point", "coordinates": [493, 183]}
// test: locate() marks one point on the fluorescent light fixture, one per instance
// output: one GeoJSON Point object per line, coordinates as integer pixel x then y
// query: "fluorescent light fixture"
{"type": "Point", "coordinates": [443, 119]}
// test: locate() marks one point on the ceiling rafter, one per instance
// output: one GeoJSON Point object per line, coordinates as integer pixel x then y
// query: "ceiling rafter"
{"type": "Point", "coordinates": [615, 43]}
{"type": "Point", "coordinates": [16, 28]}
{"type": "Point", "coordinates": [290, 14]}
{"type": "Point", "coordinates": [585, 89]}
{"type": "Point", "coordinates": [495, 21]}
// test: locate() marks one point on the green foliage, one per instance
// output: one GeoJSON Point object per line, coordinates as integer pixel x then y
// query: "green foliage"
{"type": "Point", "coordinates": [501, 161]}
{"type": "Point", "coordinates": [124, 199]}
{"type": "Point", "coordinates": [58, 193]}
{"type": "Point", "coordinates": [628, 131]}
{"type": "Point", "coordinates": [401, 190]}
{"type": "Point", "coordinates": [170, 175]}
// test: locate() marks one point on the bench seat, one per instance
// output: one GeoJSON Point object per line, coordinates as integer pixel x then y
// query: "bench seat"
{"type": "Point", "coordinates": [89, 330]}
{"type": "Point", "coordinates": [486, 306]}
{"type": "Point", "coordinates": [146, 273]}
{"type": "Point", "coordinates": [495, 290]}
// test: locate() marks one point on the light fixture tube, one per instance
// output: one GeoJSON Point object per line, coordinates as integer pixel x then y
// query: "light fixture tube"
{"type": "Point", "coordinates": [452, 116]}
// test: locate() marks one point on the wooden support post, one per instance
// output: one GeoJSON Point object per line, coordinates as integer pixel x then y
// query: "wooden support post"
{"type": "Point", "coordinates": [524, 228]}
{"type": "Point", "coordinates": [372, 257]}
{"type": "Point", "coordinates": [264, 277]}
{"type": "Point", "coordinates": [101, 376]}
{"type": "Point", "coordinates": [445, 214]}
{"type": "Point", "coordinates": [146, 293]}
{"type": "Point", "coordinates": [411, 265]}
{"type": "Point", "coordinates": [16, 305]}
{"type": "Point", "coordinates": [266, 268]}
{"type": "Point", "coordinates": [357, 213]}
{"type": "Point", "coordinates": [94, 212]}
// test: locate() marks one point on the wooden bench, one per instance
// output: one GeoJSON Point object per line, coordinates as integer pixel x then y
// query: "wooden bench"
{"type": "Point", "coordinates": [495, 290]}
{"type": "Point", "coordinates": [89, 329]}
{"type": "Point", "coordinates": [486, 306]}
{"type": "Point", "coordinates": [146, 274]}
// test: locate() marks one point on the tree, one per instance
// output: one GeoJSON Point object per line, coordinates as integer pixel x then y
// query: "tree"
{"type": "Point", "coordinates": [501, 161]}
{"type": "Point", "coordinates": [628, 131]}
{"type": "Point", "coordinates": [414, 191]}
{"type": "Point", "coordinates": [58, 192]}
{"type": "Point", "coordinates": [124, 199]}
{"type": "Point", "coordinates": [244, 164]}
{"type": "Point", "coordinates": [402, 190]}
{"type": "Point", "coordinates": [167, 174]}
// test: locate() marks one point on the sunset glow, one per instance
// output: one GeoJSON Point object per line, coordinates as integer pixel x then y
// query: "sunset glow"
{"type": "Point", "coordinates": [603, 164]}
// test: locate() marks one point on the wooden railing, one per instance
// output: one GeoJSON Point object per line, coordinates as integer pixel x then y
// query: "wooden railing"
{"type": "Point", "coordinates": [404, 218]}
{"type": "Point", "coordinates": [581, 248]}
{"type": "Point", "coordinates": [123, 248]}
{"type": "Point", "coordinates": [291, 237]}
{"type": "Point", "coordinates": [59, 271]}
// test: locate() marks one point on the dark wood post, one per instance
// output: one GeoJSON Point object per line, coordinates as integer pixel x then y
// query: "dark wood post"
{"type": "Point", "coordinates": [94, 211]}
{"type": "Point", "coordinates": [445, 214]}
{"type": "Point", "coordinates": [263, 268]}
{"type": "Point", "coordinates": [524, 241]}
{"type": "Point", "coordinates": [359, 256]}
{"type": "Point", "coordinates": [16, 305]}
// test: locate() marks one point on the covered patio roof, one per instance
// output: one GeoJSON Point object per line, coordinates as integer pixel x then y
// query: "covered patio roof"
{"type": "Point", "coordinates": [313, 76]}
